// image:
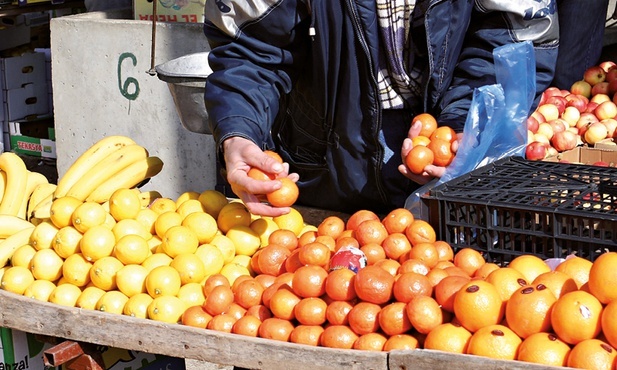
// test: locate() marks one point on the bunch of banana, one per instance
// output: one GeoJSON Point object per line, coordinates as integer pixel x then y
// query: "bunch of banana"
{"type": "Point", "coordinates": [17, 184]}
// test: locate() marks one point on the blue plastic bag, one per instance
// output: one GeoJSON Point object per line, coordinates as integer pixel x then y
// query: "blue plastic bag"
{"type": "Point", "coordinates": [496, 122]}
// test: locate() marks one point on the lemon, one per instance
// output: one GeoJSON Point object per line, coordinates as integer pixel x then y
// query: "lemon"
{"type": "Point", "coordinates": [162, 205]}
{"type": "Point", "coordinates": [67, 241]}
{"type": "Point", "coordinates": [46, 265]}
{"type": "Point", "coordinates": [165, 221]}
{"type": "Point", "coordinates": [131, 249]}
{"type": "Point", "coordinates": [76, 270]}
{"type": "Point", "coordinates": [308, 228]}
{"type": "Point", "coordinates": [211, 257]}
{"type": "Point", "coordinates": [190, 268]}
{"type": "Point", "coordinates": [147, 218]}
{"type": "Point", "coordinates": [23, 255]}
{"type": "Point", "coordinates": [155, 244]}
{"type": "Point", "coordinates": [112, 301]}
{"type": "Point", "coordinates": [291, 221]}
{"type": "Point", "coordinates": [213, 201]}
{"type": "Point", "coordinates": [163, 280]}
{"type": "Point", "coordinates": [246, 241]}
{"type": "Point", "coordinates": [242, 260]}
{"type": "Point", "coordinates": [156, 260]}
{"type": "Point", "coordinates": [124, 204]}
{"type": "Point", "coordinates": [234, 213]}
{"type": "Point", "coordinates": [130, 227]}
{"type": "Point", "coordinates": [110, 222]}
{"type": "Point", "coordinates": [62, 209]}
{"type": "Point", "coordinates": [88, 297]}
{"type": "Point", "coordinates": [137, 305]}
{"type": "Point", "coordinates": [226, 246]}
{"type": "Point", "coordinates": [263, 227]}
{"type": "Point", "coordinates": [65, 295]}
{"type": "Point", "coordinates": [43, 234]}
{"type": "Point", "coordinates": [88, 214]}
{"type": "Point", "coordinates": [167, 309]}
{"type": "Point", "coordinates": [179, 239]}
{"type": "Point", "coordinates": [103, 272]}
{"type": "Point", "coordinates": [192, 294]}
{"type": "Point", "coordinates": [187, 195]}
{"type": "Point", "coordinates": [203, 225]}
{"type": "Point", "coordinates": [16, 279]}
{"type": "Point", "coordinates": [131, 279]}
{"type": "Point", "coordinates": [98, 242]}
{"type": "Point", "coordinates": [232, 271]}
{"type": "Point", "coordinates": [190, 206]}
{"type": "Point", "coordinates": [40, 290]}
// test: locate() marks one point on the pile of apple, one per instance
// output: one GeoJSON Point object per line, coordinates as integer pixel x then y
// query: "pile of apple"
{"type": "Point", "coordinates": [586, 114]}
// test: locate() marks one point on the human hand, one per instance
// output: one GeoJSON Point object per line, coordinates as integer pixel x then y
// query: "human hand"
{"type": "Point", "coordinates": [240, 156]}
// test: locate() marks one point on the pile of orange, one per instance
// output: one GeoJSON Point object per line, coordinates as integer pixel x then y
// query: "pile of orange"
{"type": "Point", "coordinates": [415, 292]}
{"type": "Point", "coordinates": [432, 146]}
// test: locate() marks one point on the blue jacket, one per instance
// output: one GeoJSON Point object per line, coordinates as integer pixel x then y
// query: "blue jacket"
{"type": "Point", "coordinates": [299, 77]}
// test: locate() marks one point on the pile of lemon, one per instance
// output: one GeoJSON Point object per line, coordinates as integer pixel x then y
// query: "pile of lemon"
{"type": "Point", "coordinates": [147, 259]}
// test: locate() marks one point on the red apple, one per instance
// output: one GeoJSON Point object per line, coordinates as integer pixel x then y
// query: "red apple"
{"type": "Point", "coordinates": [564, 140]}
{"type": "Point", "coordinates": [571, 115]}
{"type": "Point", "coordinates": [611, 75]}
{"type": "Point", "coordinates": [594, 75]}
{"type": "Point", "coordinates": [538, 116]}
{"type": "Point", "coordinates": [611, 127]}
{"type": "Point", "coordinates": [541, 138]}
{"type": "Point", "coordinates": [599, 98]}
{"type": "Point", "coordinates": [558, 125]}
{"type": "Point", "coordinates": [584, 122]}
{"type": "Point", "coordinates": [549, 111]}
{"type": "Point", "coordinates": [600, 88]}
{"type": "Point", "coordinates": [591, 106]}
{"type": "Point", "coordinates": [607, 65]}
{"type": "Point", "coordinates": [578, 101]}
{"type": "Point", "coordinates": [595, 133]}
{"type": "Point", "coordinates": [606, 110]}
{"type": "Point", "coordinates": [600, 164]}
{"type": "Point", "coordinates": [581, 87]}
{"type": "Point", "coordinates": [551, 91]}
{"type": "Point", "coordinates": [558, 101]}
{"type": "Point", "coordinates": [535, 151]}
{"type": "Point", "coordinates": [612, 85]}
{"type": "Point", "coordinates": [532, 124]}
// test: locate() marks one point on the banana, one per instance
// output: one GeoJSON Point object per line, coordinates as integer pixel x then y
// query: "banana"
{"type": "Point", "coordinates": [128, 177]}
{"type": "Point", "coordinates": [10, 224]}
{"type": "Point", "coordinates": [43, 209]}
{"type": "Point", "coordinates": [16, 183]}
{"type": "Point", "coordinates": [95, 154]}
{"type": "Point", "coordinates": [10, 244]}
{"type": "Point", "coordinates": [39, 194]}
{"type": "Point", "coordinates": [147, 197]}
{"type": "Point", "coordinates": [34, 179]}
{"type": "Point", "coordinates": [2, 184]}
{"type": "Point", "coordinates": [106, 169]}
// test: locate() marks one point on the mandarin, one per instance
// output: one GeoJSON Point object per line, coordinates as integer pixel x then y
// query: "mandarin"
{"type": "Point", "coordinates": [260, 311]}
{"type": "Point", "coordinates": [401, 341]}
{"type": "Point", "coordinates": [332, 226]}
{"type": "Point", "coordinates": [374, 284]}
{"type": "Point", "coordinates": [393, 319]}
{"type": "Point", "coordinates": [420, 231]}
{"type": "Point", "coordinates": [272, 258]}
{"type": "Point", "coordinates": [446, 289]}
{"type": "Point", "coordinates": [425, 252]}
{"type": "Point", "coordinates": [531, 266]}
{"type": "Point", "coordinates": [346, 242]}
{"type": "Point", "coordinates": [283, 237]}
{"type": "Point", "coordinates": [396, 245]}
{"type": "Point", "coordinates": [410, 285]}
{"type": "Point", "coordinates": [306, 334]}
{"type": "Point", "coordinates": [424, 314]}
{"type": "Point", "coordinates": [219, 300]}
{"type": "Point", "coordinates": [418, 158]}
{"type": "Point", "coordinates": [442, 150]}
{"type": "Point", "coordinates": [248, 293]}
{"type": "Point", "coordinates": [340, 285]}
{"type": "Point", "coordinates": [286, 195]}
{"type": "Point", "coordinates": [338, 336]}
{"type": "Point", "coordinates": [485, 270]}
{"type": "Point", "coordinates": [309, 281]}
{"type": "Point", "coordinates": [292, 263]}
{"type": "Point", "coordinates": [276, 329]}
{"type": "Point", "coordinates": [443, 133]}
{"type": "Point", "coordinates": [449, 337]}
{"type": "Point", "coordinates": [397, 220]}
{"type": "Point", "coordinates": [370, 231]}
{"type": "Point", "coordinates": [214, 281]}
{"type": "Point", "coordinates": [196, 316]}
{"type": "Point", "coordinates": [370, 342]}
{"type": "Point", "coordinates": [577, 268]}
{"type": "Point", "coordinates": [428, 122]}
{"type": "Point", "coordinates": [315, 253]}
{"type": "Point", "coordinates": [311, 311]}
{"type": "Point", "coordinates": [247, 325]}
{"type": "Point", "coordinates": [358, 217]}
{"type": "Point", "coordinates": [469, 260]}
{"type": "Point", "coordinates": [364, 318]}
{"type": "Point", "coordinates": [373, 252]}
{"type": "Point", "coordinates": [414, 265]}
{"type": "Point", "coordinates": [223, 323]}
{"type": "Point", "coordinates": [283, 302]}
{"type": "Point", "coordinates": [507, 280]}
{"type": "Point", "coordinates": [444, 250]}
{"type": "Point", "coordinates": [337, 312]}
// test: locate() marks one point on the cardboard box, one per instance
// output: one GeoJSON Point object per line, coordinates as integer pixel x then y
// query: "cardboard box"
{"type": "Point", "coordinates": [25, 69]}
{"type": "Point", "coordinates": [601, 152]}
{"type": "Point", "coordinates": [29, 100]}
{"type": "Point", "coordinates": [13, 32]}
{"type": "Point", "coordinates": [33, 146]}
{"type": "Point", "coordinates": [19, 350]}
{"type": "Point", "coordinates": [170, 10]}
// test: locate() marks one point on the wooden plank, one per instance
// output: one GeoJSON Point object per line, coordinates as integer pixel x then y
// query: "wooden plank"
{"type": "Point", "coordinates": [119, 331]}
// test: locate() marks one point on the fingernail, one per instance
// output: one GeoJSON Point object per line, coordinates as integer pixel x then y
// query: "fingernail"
{"type": "Point", "coordinates": [277, 167]}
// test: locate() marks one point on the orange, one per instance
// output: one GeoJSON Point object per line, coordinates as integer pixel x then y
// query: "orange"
{"type": "Point", "coordinates": [444, 250]}
{"type": "Point", "coordinates": [309, 281]}
{"type": "Point", "coordinates": [285, 238]}
{"type": "Point", "coordinates": [373, 252]}
{"type": "Point", "coordinates": [393, 319]}
{"type": "Point", "coordinates": [442, 150]}
{"type": "Point", "coordinates": [374, 284]}
{"type": "Point", "coordinates": [286, 195]}
{"type": "Point", "coordinates": [315, 253]}
{"type": "Point", "coordinates": [414, 265]}
{"type": "Point", "coordinates": [494, 341]}
{"type": "Point", "coordinates": [346, 242]}
{"type": "Point", "coordinates": [435, 275]}
{"type": "Point", "coordinates": [283, 302]}
{"type": "Point", "coordinates": [446, 289]}
{"type": "Point", "coordinates": [276, 329]}
{"type": "Point", "coordinates": [307, 237]}
{"type": "Point", "coordinates": [389, 265]}
{"type": "Point", "coordinates": [236, 311]}
{"type": "Point", "coordinates": [530, 266]}
{"type": "Point", "coordinates": [609, 323]}
{"type": "Point", "coordinates": [213, 281]}
{"type": "Point", "coordinates": [259, 311]}
{"type": "Point", "coordinates": [429, 123]}
{"type": "Point", "coordinates": [507, 280]}
{"type": "Point", "coordinates": [272, 258]}
{"type": "Point", "coordinates": [306, 334]}
{"type": "Point", "coordinates": [469, 260]}
{"type": "Point", "coordinates": [449, 337]}
{"type": "Point", "coordinates": [577, 268]}
{"type": "Point", "coordinates": [265, 280]}
{"type": "Point", "coordinates": [420, 231]}
{"type": "Point", "coordinates": [311, 311]}
{"type": "Point", "coordinates": [603, 277]}
{"type": "Point", "coordinates": [358, 217]}
{"type": "Point", "coordinates": [219, 300]}
{"type": "Point", "coordinates": [292, 263]}
{"type": "Point", "coordinates": [338, 336]}
{"type": "Point", "coordinates": [444, 133]}
{"type": "Point", "coordinates": [397, 220]}
{"type": "Point", "coordinates": [528, 311]}
{"type": "Point", "coordinates": [247, 325]}
{"type": "Point", "coordinates": [337, 312]}
{"type": "Point", "coordinates": [269, 292]}
{"type": "Point", "coordinates": [257, 174]}
{"type": "Point", "coordinates": [418, 158]}
{"type": "Point", "coordinates": [576, 316]}
{"type": "Point", "coordinates": [236, 283]}
{"type": "Point", "coordinates": [410, 285]}
{"type": "Point", "coordinates": [223, 323]}
{"type": "Point", "coordinates": [396, 245]}
{"type": "Point", "coordinates": [196, 316]}
{"type": "Point", "coordinates": [370, 231]}
{"type": "Point", "coordinates": [364, 318]}
{"type": "Point", "coordinates": [248, 293]}
{"type": "Point", "coordinates": [545, 349]}
{"type": "Point", "coordinates": [420, 140]}
{"type": "Point", "coordinates": [332, 226]}
{"type": "Point", "coordinates": [478, 304]}
{"type": "Point", "coordinates": [485, 270]}
{"type": "Point", "coordinates": [340, 285]}
{"type": "Point", "coordinates": [424, 314]}
{"type": "Point", "coordinates": [558, 282]}
{"type": "Point", "coordinates": [401, 341]}
{"type": "Point", "coordinates": [592, 354]}
{"type": "Point", "coordinates": [328, 241]}
{"type": "Point", "coordinates": [370, 342]}
{"type": "Point", "coordinates": [425, 252]}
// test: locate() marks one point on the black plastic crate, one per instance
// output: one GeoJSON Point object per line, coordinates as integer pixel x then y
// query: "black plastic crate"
{"type": "Point", "coordinates": [514, 206]}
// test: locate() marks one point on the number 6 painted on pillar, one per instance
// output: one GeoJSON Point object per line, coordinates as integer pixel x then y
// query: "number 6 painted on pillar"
{"type": "Point", "coordinates": [124, 87]}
